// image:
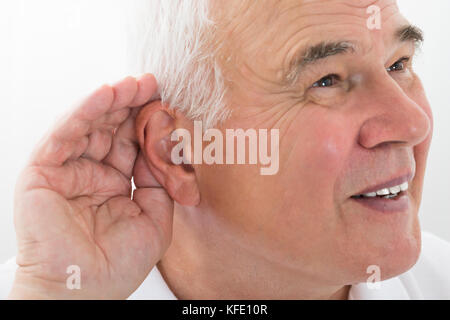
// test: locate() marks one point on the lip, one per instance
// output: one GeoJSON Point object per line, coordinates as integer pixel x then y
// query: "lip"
{"type": "Point", "coordinates": [388, 184]}
{"type": "Point", "coordinates": [399, 204]}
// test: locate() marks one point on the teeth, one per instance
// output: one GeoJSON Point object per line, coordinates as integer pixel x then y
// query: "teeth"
{"type": "Point", "coordinates": [404, 186]}
{"type": "Point", "coordinates": [383, 192]}
{"type": "Point", "coordinates": [370, 195]}
{"type": "Point", "coordinates": [387, 192]}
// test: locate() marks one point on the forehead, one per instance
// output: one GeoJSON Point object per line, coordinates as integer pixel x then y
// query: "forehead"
{"type": "Point", "coordinates": [270, 30]}
{"type": "Point", "coordinates": [248, 16]}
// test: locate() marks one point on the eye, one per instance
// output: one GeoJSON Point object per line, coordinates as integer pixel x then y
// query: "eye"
{"type": "Point", "coordinates": [327, 81]}
{"type": "Point", "coordinates": [399, 65]}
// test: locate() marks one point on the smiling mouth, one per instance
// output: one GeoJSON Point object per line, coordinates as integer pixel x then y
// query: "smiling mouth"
{"type": "Point", "coordinates": [388, 197]}
{"type": "Point", "coordinates": [386, 193]}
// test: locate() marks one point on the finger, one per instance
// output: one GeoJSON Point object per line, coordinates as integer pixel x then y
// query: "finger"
{"type": "Point", "coordinates": [142, 175]}
{"type": "Point", "coordinates": [96, 110]}
{"type": "Point", "coordinates": [147, 89]}
{"type": "Point", "coordinates": [60, 143]}
{"type": "Point", "coordinates": [111, 120]}
{"type": "Point", "coordinates": [76, 179]}
{"type": "Point", "coordinates": [79, 148]}
{"type": "Point", "coordinates": [157, 206]}
{"type": "Point", "coordinates": [124, 93]}
{"type": "Point", "coordinates": [99, 145]}
{"type": "Point", "coordinates": [124, 147]}
{"type": "Point", "coordinates": [100, 140]}
{"type": "Point", "coordinates": [113, 210]}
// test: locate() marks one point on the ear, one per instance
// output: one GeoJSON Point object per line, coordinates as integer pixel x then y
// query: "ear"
{"type": "Point", "coordinates": [154, 126]}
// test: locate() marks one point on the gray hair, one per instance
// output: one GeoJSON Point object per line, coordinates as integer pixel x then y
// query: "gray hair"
{"type": "Point", "coordinates": [173, 40]}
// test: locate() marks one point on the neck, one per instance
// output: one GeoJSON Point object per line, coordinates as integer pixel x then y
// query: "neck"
{"type": "Point", "coordinates": [202, 263]}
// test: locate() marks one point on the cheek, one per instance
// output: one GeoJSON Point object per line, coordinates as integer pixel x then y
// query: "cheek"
{"type": "Point", "coordinates": [319, 145]}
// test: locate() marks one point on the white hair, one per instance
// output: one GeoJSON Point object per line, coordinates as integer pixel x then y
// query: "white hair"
{"type": "Point", "coordinates": [174, 41]}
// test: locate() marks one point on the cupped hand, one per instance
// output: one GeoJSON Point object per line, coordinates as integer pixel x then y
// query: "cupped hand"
{"type": "Point", "coordinates": [74, 208]}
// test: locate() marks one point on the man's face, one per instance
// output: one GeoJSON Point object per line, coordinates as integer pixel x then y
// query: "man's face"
{"type": "Point", "coordinates": [350, 121]}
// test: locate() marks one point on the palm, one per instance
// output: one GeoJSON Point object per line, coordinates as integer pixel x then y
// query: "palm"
{"type": "Point", "coordinates": [73, 203]}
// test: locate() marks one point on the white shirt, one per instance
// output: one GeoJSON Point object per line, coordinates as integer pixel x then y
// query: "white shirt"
{"type": "Point", "coordinates": [428, 279]}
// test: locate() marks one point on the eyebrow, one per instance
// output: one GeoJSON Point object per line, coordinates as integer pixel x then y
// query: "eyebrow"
{"type": "Point", "coordinates": [410, 33]}
{"type": "Point", "coordinates": [315, 53]}
{"type": "Point", "coordinates": [325, 49]}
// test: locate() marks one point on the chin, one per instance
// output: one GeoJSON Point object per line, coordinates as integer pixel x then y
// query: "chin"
{"type": "Point", "coordinates": [402, 257]}
{"type": "Point", "coordinates": [393, 252]}
{"type": "Point", "coordinates": [399, 254]}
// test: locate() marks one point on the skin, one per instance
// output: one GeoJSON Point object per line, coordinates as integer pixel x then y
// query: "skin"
{"type": "Point", "coordinates": [297, 234]}
{"type": "Point", "coordinates": [237, 234]}
{"type": "Point", "coordinates": [73, 206]}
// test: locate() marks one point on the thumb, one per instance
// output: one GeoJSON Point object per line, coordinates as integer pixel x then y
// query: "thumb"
{"type": "Point", "coordinates": [142, 175]}
{"type": "Point", "coordinates": [156, 204]}
{"type": "Point", "coordinates": [153, 199]}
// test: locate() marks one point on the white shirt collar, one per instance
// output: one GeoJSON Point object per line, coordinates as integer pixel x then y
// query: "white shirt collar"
{"type": "Point", "coordinates": [390, 289]}
{"type": "Point", "coordinates": [403, 287]}
{"type": "Point", "coordinates": [154, 287]}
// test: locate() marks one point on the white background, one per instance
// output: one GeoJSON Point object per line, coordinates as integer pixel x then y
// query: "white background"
{"type": "Point", "coordinates": [52, 52]}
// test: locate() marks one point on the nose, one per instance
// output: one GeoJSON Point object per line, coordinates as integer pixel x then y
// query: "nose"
{"type": "Point", "coordinates": [395, 117]}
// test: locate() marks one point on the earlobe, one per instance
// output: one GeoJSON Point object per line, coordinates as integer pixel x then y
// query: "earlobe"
{"type": "Point", "coordinates": [155, 124]}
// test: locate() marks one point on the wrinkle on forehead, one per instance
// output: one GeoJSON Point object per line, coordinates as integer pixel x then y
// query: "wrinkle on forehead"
{"type": "Point", "coordinates": [263, 34]}
{"type": "Point", "coordinates": [235, 17]}
{"type": "Point", "coordinates": [236, 21]}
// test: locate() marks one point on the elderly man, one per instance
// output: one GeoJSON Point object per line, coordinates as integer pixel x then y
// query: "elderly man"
{"type": "Point", "coordinates": [334, 78]}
